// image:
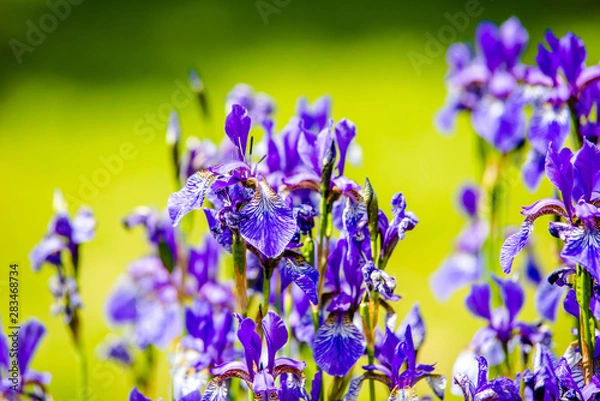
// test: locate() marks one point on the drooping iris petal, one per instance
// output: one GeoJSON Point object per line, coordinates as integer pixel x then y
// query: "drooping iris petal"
{"type": "Point", "coordinates": [216, 390]}
{"type": "Point", "coordinates": [190, 197]}
{"type": "Point", "coordinates": [30, 335]}
{"type": "Point", "coordinates": [456, 271]}
{"type": "Point", "coordinates": [237, 127]}
{"type": "Point", "coordinates": [512, 295]}
{"type": "Point", "coordinates": [338, 344]}
{"type": "Point", "coordinates": [513, 245]}
{"type": "Point", "coordinates": [47, 250]}
{"type": "Point", "coordinates": [583, 247]}
{"type": "Point", "coordinates": [478, 301]}
{"type": "Point", "coordinates": [296, 269]}
{"type": "Point", "coordinates": [532, 170]}
{"type": "Point", "coordinates": [345, 132]}
{"type": "Point", "coordinates": [500, 122]}
{"type": "Point", "coordinates": [547, 299]}
{"type": "Point", "coordinates": [267, 222]}
{"type": "Point", "coordinates": [276, 335]}
{"type": "Point", "coordinates": [437, 383]}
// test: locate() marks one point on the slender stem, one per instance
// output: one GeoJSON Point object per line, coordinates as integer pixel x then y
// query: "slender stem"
{"type": "Point", "coordinates": [587, 323]}
{"type": "Point", "coordinates": [266, 288]}
{"type": "Point", "coordinates": [366, 312]}
{"type": "Point", "coordinates": [239, 267]}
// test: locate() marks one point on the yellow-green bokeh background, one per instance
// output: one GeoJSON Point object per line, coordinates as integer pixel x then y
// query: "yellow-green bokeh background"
{"type": "Point", "coordinates": [77, 97]}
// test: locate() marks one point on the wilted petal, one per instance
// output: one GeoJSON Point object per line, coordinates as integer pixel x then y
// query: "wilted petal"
{"type": "Point", "coordinates": [267, 222]}
{"type": "Point", "coordinates": [513, 245]}
{"type": "Point", "coordinates": [583, 247]}
{"type": "Point", "coordinates": [237, 127]}
{"type": "Point", "coordinates": [220, 232]}
{"type": "Point", "coordinates": [296, 269]}
{"type": "Point", "coordinates": [190, 197]}
{"type": "Point", "coordinates": [338, 345]}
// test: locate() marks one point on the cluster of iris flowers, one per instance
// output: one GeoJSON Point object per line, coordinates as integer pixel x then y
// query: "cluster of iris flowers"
{"type": "Point", "coordinates": [287, 296]}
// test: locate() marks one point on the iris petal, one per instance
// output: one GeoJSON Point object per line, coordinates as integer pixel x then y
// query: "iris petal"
{"type": "Point", "coordinates": [303, 274]}
{"type": "Point", "coordinates": [267, 222]}
{"type": "Point", "coordinates": [338, 345]}
{"type": "Point", "coordinates": [190, 197]}
{"type": "Point", "coordinates": [513, 245]}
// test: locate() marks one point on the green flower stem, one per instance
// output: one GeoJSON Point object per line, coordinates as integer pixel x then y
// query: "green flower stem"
{"type": "Point", "coordinates": [587, 323]}
{"type": "Point", "coordinates": [268, 273]}
{"type": "Point", "coordinates": [366, 312]}
{"type": "Point", "coordinates": [239, 267]}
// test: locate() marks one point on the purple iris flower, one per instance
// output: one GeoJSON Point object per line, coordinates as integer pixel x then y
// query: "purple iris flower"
{"type": "Point", "coordinates": [250, 207]}
{"type": "Point", "coordinates": [64, 233]}
{"type": "Point", "coordinates": [260, 106]}
{"type": "Point", "coordinates": [465, 265]}
{"type": "Point", "coordinates": [17, 380]}
{"type": "Point", "coordinates": [339, 342]}
{"type": "Point", "coordinates": [480, 388]}
{"type": "Point", "coordinates": [209, 342]}
{"type": "Point", "coordinates": [259, 375]}
{"type": "Point", "coordinates": [563, 79]}
{"type": "Point", "coordinates": [503, 327]}
{"type": "Point", "coordinates": [147, 299]}
{"type": "Point", "coordinates": [569, 375]}
{"type": "Point", "coordinates": [315, 116]}
{"type": "Point", "coordinates": [394, 230]}
{"type": "Point", "coordinates": [398, 370]}
{"type": "Point", "coordinates": [577, 178]}
{"type": "Point", "coordinates": [487, 83]}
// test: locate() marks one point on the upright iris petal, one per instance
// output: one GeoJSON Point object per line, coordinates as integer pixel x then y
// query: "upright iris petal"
{"type": "Point", "coordinates": [237, 127]}
{"type": "Point", "coordinates": [276, 335]}
{"type": "Point", "coordinates": [345, 132]}
{"type": "Point", "coordinates": [267, 222]}
{"type": "Point", "coordinates": [478, 301]}
{"type": "Point", "coordinates": [338, 345]}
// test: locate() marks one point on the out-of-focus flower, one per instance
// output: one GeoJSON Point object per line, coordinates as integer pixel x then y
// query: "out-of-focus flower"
{"type": "Point", "coordinates": [18, 381]}
{"type": "Point", "coordinates": [465, 265]}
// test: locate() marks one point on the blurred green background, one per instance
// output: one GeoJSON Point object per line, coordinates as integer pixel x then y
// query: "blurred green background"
{"type": "Point", "coordinates": [111, 66]}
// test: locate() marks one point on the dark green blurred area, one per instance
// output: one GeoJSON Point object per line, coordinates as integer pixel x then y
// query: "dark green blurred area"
{"type": "Point", "coordinates": [112, 66]}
